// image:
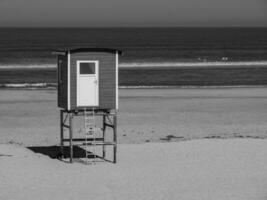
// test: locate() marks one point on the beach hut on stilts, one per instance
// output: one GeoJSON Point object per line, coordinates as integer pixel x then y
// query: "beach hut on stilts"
{"type": "Point", "coordinates": [88, 87]}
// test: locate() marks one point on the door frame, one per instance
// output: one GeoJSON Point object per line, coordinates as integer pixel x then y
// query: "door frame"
{"type": "Point", "coordinates": [88, 75]}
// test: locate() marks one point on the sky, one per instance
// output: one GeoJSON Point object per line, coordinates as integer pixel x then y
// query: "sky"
{"type": "Point", "coordinates": [102, 13]}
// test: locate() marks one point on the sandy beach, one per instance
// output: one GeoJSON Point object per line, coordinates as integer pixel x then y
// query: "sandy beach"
{"type": "Point", "coordinates": [198, 143]}
{"type": "Point", "coordinates": [199, 169]}
{"type": "Point", "coordinates": [31, 117]}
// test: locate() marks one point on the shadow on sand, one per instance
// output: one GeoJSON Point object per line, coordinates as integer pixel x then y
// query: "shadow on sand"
{"type": "Point", "coordinates": [79, 153]}
{"type": "Point", "coordinates": [55, 152]}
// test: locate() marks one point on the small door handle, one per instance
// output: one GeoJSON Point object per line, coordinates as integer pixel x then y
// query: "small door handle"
{"type": "Point", "coordinates": [96, 81]}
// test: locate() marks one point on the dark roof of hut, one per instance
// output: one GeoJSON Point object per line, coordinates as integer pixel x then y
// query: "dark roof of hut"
{"type": "Point", "coordinates": [95, 49]}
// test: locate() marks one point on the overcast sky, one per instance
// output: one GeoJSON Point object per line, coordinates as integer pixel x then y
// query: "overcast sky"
{"type": "Point", "coordinates": [133, 13]}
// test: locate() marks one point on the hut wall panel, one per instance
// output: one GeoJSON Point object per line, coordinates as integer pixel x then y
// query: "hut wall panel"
{"type": "Point", "coordinates": [107, 78]}
{"type": "Point", "coordinates": [63, 84]}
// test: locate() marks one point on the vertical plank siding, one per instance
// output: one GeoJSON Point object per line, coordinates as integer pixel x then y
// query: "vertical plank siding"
{"type": "Point", "coordinates": [63, 83]}
{"type": "Point", "coordinates": [107, 78]}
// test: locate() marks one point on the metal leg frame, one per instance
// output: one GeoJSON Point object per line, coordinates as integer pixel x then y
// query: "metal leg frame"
{"type": "Point", "coordinates": [104, 135]}
{"type": "Point", "coordinates": [107, 122]}
{"type": "Point", "coordinates": [115, 139]}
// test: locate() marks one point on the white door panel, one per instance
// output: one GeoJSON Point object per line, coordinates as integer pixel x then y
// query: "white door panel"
{"type": "Point", "coordinates": [87, 83]}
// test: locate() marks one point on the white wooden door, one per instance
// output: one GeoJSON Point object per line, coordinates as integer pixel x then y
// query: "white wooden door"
{"type": "Point", "coordinates": [87, 83]}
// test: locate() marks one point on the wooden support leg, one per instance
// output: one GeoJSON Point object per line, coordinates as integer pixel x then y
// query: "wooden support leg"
{"type": "Point", "coordinates": [115, 138]}
{"type": "Point", "coordinates": [71, 145]}
{"type": "Point", "coordinates": [104, 135]}
{"type": "Point", "coordinates": [61, 133]}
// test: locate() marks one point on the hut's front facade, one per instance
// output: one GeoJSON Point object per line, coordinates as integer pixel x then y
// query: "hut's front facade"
{"type": "Point", "coordinates": [88, 78]}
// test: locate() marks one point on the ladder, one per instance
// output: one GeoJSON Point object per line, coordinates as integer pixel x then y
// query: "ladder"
{"type": "Point", "coordinates": [90, 133]}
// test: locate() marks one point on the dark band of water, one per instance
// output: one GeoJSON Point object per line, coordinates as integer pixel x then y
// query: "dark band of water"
{"type": "Point", "coordinates": [34, 45]}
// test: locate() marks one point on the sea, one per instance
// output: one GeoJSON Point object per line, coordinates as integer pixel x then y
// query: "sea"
{"type": "Point", "coordinates": [152, 57]}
